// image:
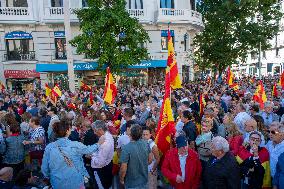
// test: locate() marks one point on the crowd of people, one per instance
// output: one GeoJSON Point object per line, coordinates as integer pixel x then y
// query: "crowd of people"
{"type": "Point", "coordinates": [75, 144]}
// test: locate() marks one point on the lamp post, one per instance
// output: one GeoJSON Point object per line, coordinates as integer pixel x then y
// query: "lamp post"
{"type": "Point", "coordinates": [70, 59]}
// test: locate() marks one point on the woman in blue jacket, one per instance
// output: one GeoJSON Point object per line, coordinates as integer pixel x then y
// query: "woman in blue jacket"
{"type": "Point", "coordinates": [62, 160]}
{"type": "Point", "coordinates": [278, 180]}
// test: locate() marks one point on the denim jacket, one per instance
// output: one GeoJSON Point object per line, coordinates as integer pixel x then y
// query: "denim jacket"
{"type": "Point", "coordinates": [56, 169]}
{"type": "Point", "coordinates": [13, 149]}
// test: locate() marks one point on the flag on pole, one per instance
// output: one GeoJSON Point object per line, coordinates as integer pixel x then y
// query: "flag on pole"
{"type": "Point", "coordinates": [202, 104]}
{"type": "Point", "coordinates": [2, 86]}
{"type": "Point", "coordinates": [274, 91]}
{"type": "Point", "coordinates": [230, 76]}
{"type": "Point", "coordinates": [175, 80]}
{"type": "Point", "coordinates": [85, 87]}
{"type": "Point", "coordinates": [91, 99]}
{"type": "Point", "coordinates": [110, 88]}
{"type": "Point", "coordinates": [259, 95]}
{"type": "Point", "coordinates": [47, 90]}
{"type": "Point", "coordinates": [56, 91]}
{"type": "Point", "coordinates": [281, 80]}
{"type": "Point", "coordinates": [166, 124]}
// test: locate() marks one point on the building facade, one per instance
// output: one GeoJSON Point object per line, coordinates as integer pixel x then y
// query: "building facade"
{"type": "Point", "coordinates": [33, 44]}
{"type": "Point", "coordinates": [272, 60]}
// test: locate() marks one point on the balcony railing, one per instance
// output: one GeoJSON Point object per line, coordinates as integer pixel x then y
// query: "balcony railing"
{"type": "Point", "coordinates": [140, 14]}
{"type": "Point", "coordinates": [15, 14]}
{"type": "Point", "coordinates": [14, 55]}
{"type": "Point", "coordinates": [56, 14]}
{"type": "Point", "coordinates": [179, 15]}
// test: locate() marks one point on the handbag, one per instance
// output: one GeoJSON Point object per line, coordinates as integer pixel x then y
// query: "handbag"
{"type": "Point", "coordinates": [70, 163]}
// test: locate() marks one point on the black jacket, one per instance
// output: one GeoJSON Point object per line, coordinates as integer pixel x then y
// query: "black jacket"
{"type": "Point", "coordinates": [190, 131]}
{"type": "Point", "coordinates": [223, 174]}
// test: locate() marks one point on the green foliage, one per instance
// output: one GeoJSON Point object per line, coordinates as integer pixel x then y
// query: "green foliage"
{"type": "Point", "coordinates": [110, 35]}
{"type": "Point", "coordinates": [233, 28]}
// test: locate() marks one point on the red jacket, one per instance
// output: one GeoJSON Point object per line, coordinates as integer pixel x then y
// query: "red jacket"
{"type": "Point", "coordinates": [235, 143]}
{"type": "Point", "coordinates": [171, 168]}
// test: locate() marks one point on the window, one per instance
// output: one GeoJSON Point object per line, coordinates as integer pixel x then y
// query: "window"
{"type": "Point", "coordinates": [192, 4]}
{"type": "Point", "coordinates": [277, 52]}
{"type": "Point", "coordinates": [185, 42]}
{"type": "Point", "coordinates": [60, 48]}
{"type": "Point", "coordinates": [269, 67]}
{"type": "Point", "coordinates": [16, 3]}
{"type": "Point", "coordinates": [164, 38]}
{"type": "Point", "coordinates": [167, 4]}
{"type": "Point", "coordinates": [134, 4]}
{"type": "Point", "coordinates": [84, 3]}
{"type": "Point", "coordinates": [20, 49]}
{"type": "Point", "coordinates": [57, 3]}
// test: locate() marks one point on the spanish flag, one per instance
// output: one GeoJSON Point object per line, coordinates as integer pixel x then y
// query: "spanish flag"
{"type": "Point", "coordinates": [85, 87]}
{"type": "Point", "coordinates": [235, 86]}
{"type": "Point", "coordinates": [56, 91]}
{"type": "Point", "coordinates": [259, 95]}
{"type": "Point", "coordinates": [47, 90]}
{"type": "Point", "coordinates": [2, 86]}
{"type": "Point", "coordinates": [230, 76]}
{"type": "Point", "coordinates": [202, 104]}
{"type": "Point", "coordinates": [175, 80]}
{"type": "Point", "coordinates": [281, 80]}
{"type": "Point", "coordinates": [274, 91]}
{"type": "Point", "coordinates": [166, 124]}
{"type": "Point", "coordinates": [91, 99]}
{"type": "Point", "coordinates": [110, 88]}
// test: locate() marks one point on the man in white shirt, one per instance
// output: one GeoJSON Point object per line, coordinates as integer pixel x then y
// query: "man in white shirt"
{"type": "Point", "coordinates": [242, 117]}
{"type": "Point", "coordinates": [102, 159]}
{"type": "Point", "coordinates": [275, 146]}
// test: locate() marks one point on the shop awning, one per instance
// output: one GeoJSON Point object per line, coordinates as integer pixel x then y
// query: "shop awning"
{"type": "Point", "coordinates": [62, 67]}
{"type": "Point", "coordinates": [18, 35]}
{"type": "Point", "coordinates": [17, 74]}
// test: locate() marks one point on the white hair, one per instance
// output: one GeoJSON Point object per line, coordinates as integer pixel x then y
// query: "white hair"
{"type": "Point", "coordinates": [221, 143]}
{"type": "Point", "coordinates": [268, 103]}
{"type": "Point", "coordinates": [279, 126]}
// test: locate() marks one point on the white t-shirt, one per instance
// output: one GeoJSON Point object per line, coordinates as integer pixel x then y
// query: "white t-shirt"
{"type": "Point", "coordinates": [122, 140]}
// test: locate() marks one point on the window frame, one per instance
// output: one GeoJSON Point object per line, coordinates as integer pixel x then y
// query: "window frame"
{"type": "Point", "coordinates": [64, 56]}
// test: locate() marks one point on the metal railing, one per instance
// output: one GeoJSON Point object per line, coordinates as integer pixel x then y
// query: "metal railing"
{"type": "Point", "coordinates": [15, 55]}
{"type": "Point", "coordinates": [14, 11]}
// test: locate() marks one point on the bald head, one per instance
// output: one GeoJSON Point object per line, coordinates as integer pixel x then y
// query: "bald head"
{"type": "Point", "coordinates": [6, 174]}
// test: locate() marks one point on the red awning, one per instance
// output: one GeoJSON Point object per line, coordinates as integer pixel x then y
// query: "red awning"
{"type": "Point", "coordinates": [21, 74]}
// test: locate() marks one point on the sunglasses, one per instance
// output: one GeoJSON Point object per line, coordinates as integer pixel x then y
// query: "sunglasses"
{"type": "Point", "coordinates": [273, 132]}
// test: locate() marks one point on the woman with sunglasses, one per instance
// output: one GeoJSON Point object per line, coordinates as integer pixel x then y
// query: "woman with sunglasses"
{"type": "Point", "coordinates": [254, 163]}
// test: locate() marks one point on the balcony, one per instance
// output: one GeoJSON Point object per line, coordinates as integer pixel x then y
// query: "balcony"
{"type": "Point", "coordinates": [56, 15]}
{"type": "Point", "coordinates": [16, 15]}
{"type": "Point", "coordinates": [14, 55]}
{"type": "Point", "coordinates": [140, 14]}
{"type": "Point", "coordinates": [179, 16]}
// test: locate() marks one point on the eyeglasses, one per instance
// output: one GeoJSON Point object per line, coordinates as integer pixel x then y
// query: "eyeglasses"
{"type": "Point", "coordinates": [273, 132]}
{"type": "Point", "coordinates": [255, 139]}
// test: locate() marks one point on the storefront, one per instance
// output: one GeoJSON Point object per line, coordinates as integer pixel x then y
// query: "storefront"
{"type": "Point", "coordinates": [146, 72]}
{"type": "Point", "coordinates": [22, 80]}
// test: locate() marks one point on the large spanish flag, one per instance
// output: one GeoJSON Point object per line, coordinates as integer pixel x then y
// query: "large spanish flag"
{"type": "Point", "coordinates": [230, 77]}
{"type": "Point", "coordinates": [56, 91]}
{"type": "Point", "coordinates": [47, 90]}
{"type": "Point", "coordinates": [166, 124]}
{"type": "Point", "coordinates": [259, 95]}
{"type": "Point", "coordinates": [175, 80]}
{"type": "Point", "coordinates": [274, 91]}
{"type": "Point", "coordinates": [110, 88]}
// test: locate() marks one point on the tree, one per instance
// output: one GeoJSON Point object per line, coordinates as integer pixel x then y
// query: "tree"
{"type": "Point", "coordinates": [110, 35]}
{"type": "Point", "coordinates": [233, 28]}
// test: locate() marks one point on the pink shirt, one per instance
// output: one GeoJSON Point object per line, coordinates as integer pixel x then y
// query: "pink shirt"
{"type": "Point", "coordinates": [104, 155]}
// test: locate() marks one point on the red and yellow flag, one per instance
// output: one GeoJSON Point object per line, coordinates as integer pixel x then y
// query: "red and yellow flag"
{"type": "Point", "coordinates": [202, 104]}
{"type": "Point", "coordinates": [56, 91]}
{"type": "Point", "coordinates": [274, 91]}
{"type": "Point", "coordinates": [91, 99]}
{"type": "Point", "coordinates": [259, 95]}
{"type": "Point", "coordinates": [230, 77]}
{"type": "Point", "coordinates": [281, 80]}
{"type": "Point", "coordinates": [166, 124]}
{"type": "Point", "coordinates": [110, 88]}
{"type": "Point", "coordinates": [2, 86]}
{"type": "Point", "coordinates": [47, 90]}
{"type": "Point", "coordinates": [85, 87]}
{"type": "Point", "coordinates": [235, 86]}
{"type": "Point", "coordinates": [175, 80]}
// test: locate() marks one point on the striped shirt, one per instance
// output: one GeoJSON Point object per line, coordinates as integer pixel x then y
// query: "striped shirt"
{"type": "Point", "coordinates": [37, 134]}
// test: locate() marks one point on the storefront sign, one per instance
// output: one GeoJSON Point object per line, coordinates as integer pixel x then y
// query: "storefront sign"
{"type": "Point", "coordinates": [164, 33]}
{"type": "Point", "coordinates": [85, 66]}
{"type": "Point", "coordinates": [18, 35]}
{"type": "Point", "coordinates": [20, 74]}
{"type": "Point", "coordinates": [59, 34]}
